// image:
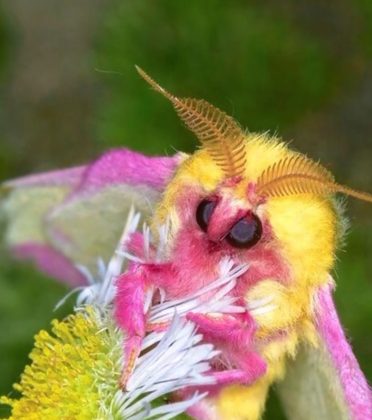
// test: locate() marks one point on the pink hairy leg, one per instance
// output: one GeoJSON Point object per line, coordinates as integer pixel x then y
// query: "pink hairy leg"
{"type": "Point", "coordinates": [130, 305]}
{"type": "Point", "coordinates": [160, 274]}
{"type": "Point", "coordinates": [129, 314]}
{"type": "Point", "coordinates": [234, 336]}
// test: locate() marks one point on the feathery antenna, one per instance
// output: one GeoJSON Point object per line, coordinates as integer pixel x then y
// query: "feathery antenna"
{"type": "Point", "coordinates": [219, 133]}
{"type": "Point", "coordinates": [300, 175]}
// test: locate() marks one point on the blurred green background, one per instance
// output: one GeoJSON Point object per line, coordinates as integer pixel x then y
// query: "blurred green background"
{"type": "Point", "coordinates": [298, 68]}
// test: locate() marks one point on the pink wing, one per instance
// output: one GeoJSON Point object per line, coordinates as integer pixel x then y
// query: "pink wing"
{"type": "Point", "coordinates": [326, 382]}
{"type": "Point", "coordinates": [356, 394]}
{"type": "Point", "coordinates": [75, 216]}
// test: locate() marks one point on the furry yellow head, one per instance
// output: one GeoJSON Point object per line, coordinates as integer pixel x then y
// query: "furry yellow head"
{"type": "Point", "coordinates": [304, 216]}
{"type": "Point", "coordinates": [304, 225]}
{"type": "Point", "coordinates": [299, 204]}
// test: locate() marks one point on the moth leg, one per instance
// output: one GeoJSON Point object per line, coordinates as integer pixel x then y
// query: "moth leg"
{"type": "Point", "coordinates": [130, 303]}
{"type": "Point", "coordinates": [226, 328]}
{"type": "Point", "coordinates": [129, 314]}
{"type": "Point", "coordinates": [238, 376]}
{"type": "Point", "coordinates": [158, 327]}
{"type": "Point", "coordinates": [235, 339]}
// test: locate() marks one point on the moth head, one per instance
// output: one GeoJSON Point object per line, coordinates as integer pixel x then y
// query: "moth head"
{"type": "Point", "coordinates": [249, 193]}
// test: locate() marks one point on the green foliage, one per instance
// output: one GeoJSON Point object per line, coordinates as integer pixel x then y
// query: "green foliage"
{"type": "Point", "coordinates": [5, 42]}
{"type": "Point", "coordinates": [256, 65]}
{"type": "Point", "coordinates": [363, 9]}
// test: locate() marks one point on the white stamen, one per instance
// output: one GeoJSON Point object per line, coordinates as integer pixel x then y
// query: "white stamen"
{"type": "Point", "coordinates": [62, 301]}
{"type": "Point", "coordinates": [148, 299]}
{"type": "Point", "coordinates": [219, 301]}
{"type": "Point", "coordinates": [163, 240]}
{"type": "Point", "coordinates": [146, 241]}
{"type": "Point", "coordinates": [129, 256]}
{"type": "Point", "coordinates": [176, 359]}
{"type": "Point", "coordinates": [115, 265]}
{"type": "Point", "coordinates": [86, 273]}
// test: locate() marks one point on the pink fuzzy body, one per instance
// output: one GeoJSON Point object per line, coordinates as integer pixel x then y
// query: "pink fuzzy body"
{"type": "Point", "coordinates": [194, 259]}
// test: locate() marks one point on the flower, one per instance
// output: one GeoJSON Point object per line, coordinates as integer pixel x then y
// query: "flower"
{"type": "Point", "coordinates": [74, 371]}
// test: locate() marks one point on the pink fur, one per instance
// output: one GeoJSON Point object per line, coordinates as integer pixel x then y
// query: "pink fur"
{"type": "Point", "coordinates": [194, 262]}
{"type": "Point", "coordinates": [50, 262]}
{"type": "Point", "coordinates": [135, 244]}
{"type": "Point", "coordinates": [129, 315]}
{"type": "Point", "coordinates": [234, 336]}
{"type": "Point", "coordinates": [129, 301]}
{"type": "Point", "coordinates": [236, 332]}
{"type": "Point", "coordinates": [356, 391]}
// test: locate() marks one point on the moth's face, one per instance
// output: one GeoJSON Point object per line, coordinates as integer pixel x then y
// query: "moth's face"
{"type": "Point", "coordinates": [221, 221]}
{"type": "Point", "coordinates": [289, 238]}
{"type": "Point", "coordinates": [225, 221]}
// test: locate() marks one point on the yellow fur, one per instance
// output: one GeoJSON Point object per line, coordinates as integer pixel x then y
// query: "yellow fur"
{"type": "Point", "coordinates": [313, 220]}
{"type": "Point", "coordinates": [201, 171]}
{"type": "Point", "coordinates": [243, 403]}
{"type": "Point", "coordinates": [304, 227]}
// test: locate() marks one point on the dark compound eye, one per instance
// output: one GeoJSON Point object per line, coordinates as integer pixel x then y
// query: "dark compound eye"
{"type": "Point", "coordinates": [245, 233]}
{"type": "Point", "coordinates": [204, 212]}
